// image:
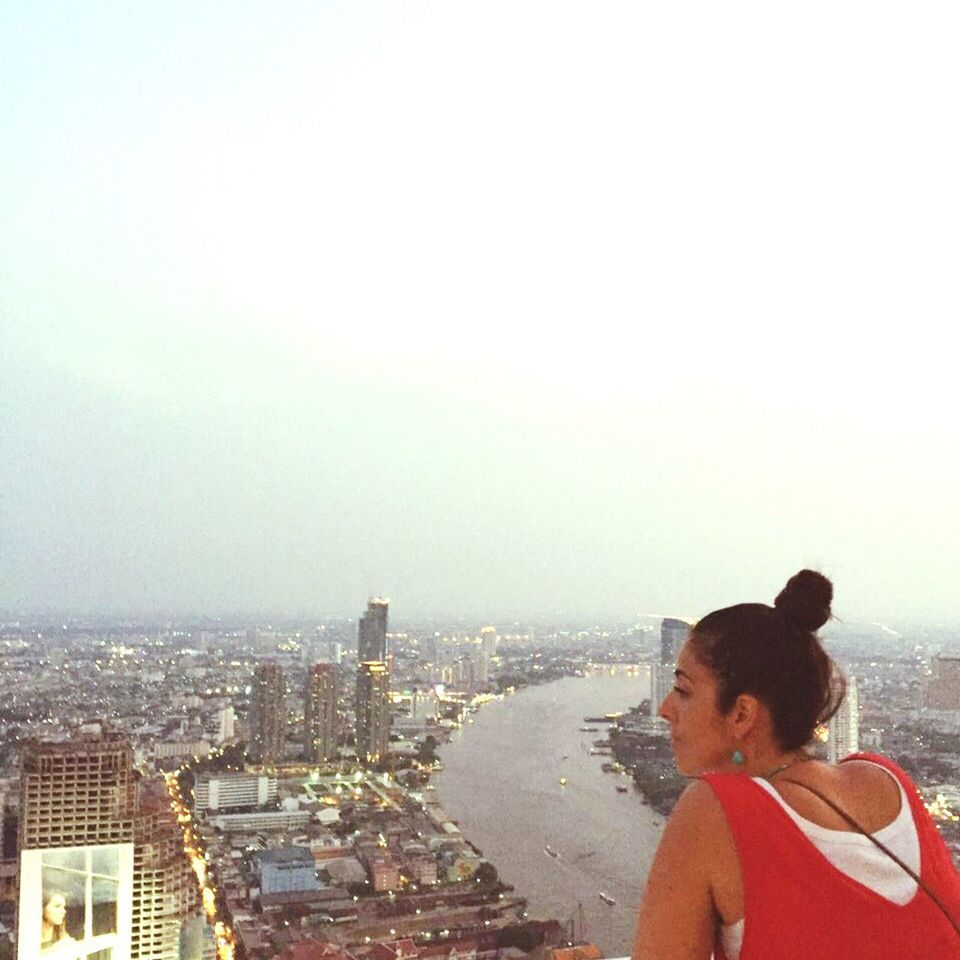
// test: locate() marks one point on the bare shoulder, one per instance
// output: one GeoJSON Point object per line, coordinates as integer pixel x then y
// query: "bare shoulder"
{"type": "Point", "coordinates": [875, 783]}
{"type": "Point", "coordinates": [697, 811]}
{"type": "Point", "coordinates": [699, 823]}
{"type": "Point", "coordinates": [863, 789]}
{"type": "Point", "coordinates": [867, 772]}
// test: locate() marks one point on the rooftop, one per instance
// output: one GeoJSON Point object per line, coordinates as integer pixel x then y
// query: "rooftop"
{"type": "Point", "coordinates": [286, 855]}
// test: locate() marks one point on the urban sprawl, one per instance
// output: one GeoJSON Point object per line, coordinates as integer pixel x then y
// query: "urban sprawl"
{"type": "Point", "coordinates": [225, 790]}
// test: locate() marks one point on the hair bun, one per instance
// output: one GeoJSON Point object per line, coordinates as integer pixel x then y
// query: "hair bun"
{"type": "Point", "coordinates": [805, 600]}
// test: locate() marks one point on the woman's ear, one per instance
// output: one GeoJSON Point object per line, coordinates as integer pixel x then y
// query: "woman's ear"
{"type": "Point", "coordinates": [743, 715]}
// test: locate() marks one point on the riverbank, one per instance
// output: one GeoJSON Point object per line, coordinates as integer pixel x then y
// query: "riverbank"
{"type": "Point", "coordinates": [524, 787]}
{"type": "Point", "coordinates": [642, 748]}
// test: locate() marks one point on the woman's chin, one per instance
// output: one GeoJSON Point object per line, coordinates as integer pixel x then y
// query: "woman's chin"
{"type": "Point", "coordinates": [683, 764]}
{"type": "Point", "coordinates": [689, 766]}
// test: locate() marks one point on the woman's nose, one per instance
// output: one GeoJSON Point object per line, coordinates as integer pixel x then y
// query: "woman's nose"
{"type": "Point", "coordinates": [664, 711]}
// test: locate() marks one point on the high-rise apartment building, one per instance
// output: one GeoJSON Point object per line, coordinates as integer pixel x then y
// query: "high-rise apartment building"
{"type": "Point", "coordinates": [107, 845]}
{"type": "Point", "coordinates": [843, 736]}
{"type": "Point", "coordinates": [372, 632]}
{"type": "Point", "coordinates": [164, 886]}
{"type": "Point", "coordinates": [226, 724]}
{"type": "Point", "coordinates": [673, 633]}
{"type": "Point", "coordinates": [77, 792]}
{"type": "Point", "coordinates": [78, 810]}
{"type": "Point", "coordinates": [489, 639]}
{"type": "Point", "coordinates": [320, 713]}
{"type": "Point", "coordinates": [661, 683]}
{"type": "Point", "coordinates": [373, 711]}
{"type": "Point", "coordinates": [480, 664]}
{"type": "Point", "coordinates": [268, 720]}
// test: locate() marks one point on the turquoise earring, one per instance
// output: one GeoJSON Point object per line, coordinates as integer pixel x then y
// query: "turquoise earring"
{"type": "Point", "coordinates": [737, 758]}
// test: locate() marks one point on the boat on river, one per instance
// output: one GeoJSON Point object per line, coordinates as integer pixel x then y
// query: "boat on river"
{"type": "Point", "coordinates": [607, 899]}
{"type": "Point", "coordinates": [550, 851]}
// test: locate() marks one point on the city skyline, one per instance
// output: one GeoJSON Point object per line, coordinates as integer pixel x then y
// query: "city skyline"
{"type": "Point", "coordinates": [300, 309]}
{"type": "Point", "coordinates": [296, 801]}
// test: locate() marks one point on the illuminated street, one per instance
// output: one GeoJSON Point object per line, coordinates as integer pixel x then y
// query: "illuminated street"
{"type": "Point", "coordinates": [226, 947]}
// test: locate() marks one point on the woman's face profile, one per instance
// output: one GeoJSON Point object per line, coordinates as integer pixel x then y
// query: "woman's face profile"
{"type": "Point", "coordinates": [698, 734]}
{"type": "Point", "coordinates": [55, 911]}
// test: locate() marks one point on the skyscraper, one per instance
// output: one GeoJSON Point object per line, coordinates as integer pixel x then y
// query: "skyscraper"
{"type": "Point", "coordinates": [226, 724]}
{"type": "Point", "coordinates": [77, 821]}
{"type": "Point", "coordinates": [489, 640]}
{"type": "Point", "coordinates": [164, 886]}
{"type": "Point", "coordinates": [373, 711]}
{"type": "Point", "coordinates": [372, 631]}
{"type": "Point", "coordinates": [673, 633]}
{"type": "Point", "coordinates": [320, 713]}
{"type": "Point", "coordinates": [106, 846]}
{"type": "Point", "coordinates": [268, 719]}
{"type": "Point", "coordinates": [78, 792]}
{"type": "Point", "coordinates": [662, 680]}
{"type": "Point", "coordinates": [844, 726]}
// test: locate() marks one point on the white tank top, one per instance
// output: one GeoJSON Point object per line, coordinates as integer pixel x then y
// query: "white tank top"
{"type": "Point", "coordinates": [853, 854]}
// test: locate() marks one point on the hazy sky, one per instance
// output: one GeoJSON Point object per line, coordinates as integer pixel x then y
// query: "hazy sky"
{"type": "Point", "coordinates": [492, 308]}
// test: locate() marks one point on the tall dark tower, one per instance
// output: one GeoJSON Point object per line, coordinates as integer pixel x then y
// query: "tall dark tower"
{"type": "Point", "coordinates": [673, 634]}
{"type": "Point", "coordinates": [268, 719]}
{"type": "Point", "coordinates": [373, 711]}
{"type": "Point", "coordinates": [320, 713]}
{"type": "Point", "coordinates": [372, 634]}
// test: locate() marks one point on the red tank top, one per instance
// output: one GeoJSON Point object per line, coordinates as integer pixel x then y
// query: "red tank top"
{"type": "Point", "coordinates": [799, 906]}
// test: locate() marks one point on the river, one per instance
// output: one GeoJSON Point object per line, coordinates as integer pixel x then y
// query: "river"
{"type": "Point", "coordinates": [501, 782]}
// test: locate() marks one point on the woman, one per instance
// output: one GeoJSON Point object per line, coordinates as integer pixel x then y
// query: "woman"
{"type": "Point", "coordinates": [759, 859]}
{"type": "Point", "coordinates": [54, 929]}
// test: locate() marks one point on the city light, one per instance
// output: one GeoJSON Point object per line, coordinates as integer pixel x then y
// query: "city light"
{"type": "Point", "coordinates": [939, 809]}
{"type": "Point", "coordinates": [225, 941]}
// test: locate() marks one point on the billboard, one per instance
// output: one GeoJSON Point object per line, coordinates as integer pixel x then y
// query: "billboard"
{"type": "Point", "coordinates": [76, 903]}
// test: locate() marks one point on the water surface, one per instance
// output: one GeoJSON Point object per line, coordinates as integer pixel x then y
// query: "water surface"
{"type": "Point", "coordinates": [501, 782]}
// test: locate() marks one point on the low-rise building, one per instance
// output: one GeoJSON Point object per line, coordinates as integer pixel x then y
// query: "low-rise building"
{"type": "Point", "coordinates": [345, 871]}
{"type": "Point", "coordinates": [223, 791]}
{"type": "Point", "coordinates": [286, 869]}
{"type": "Point", "coordinates": [384, 873]}
{"type": "Point", "coordinates": [267, 820]}
{"type": "Point", "coordinates": [312, 950]}
{"type": "Point", "coordinates": [422, 869]}
{"type": "Point", "coordinates": [181, 748]}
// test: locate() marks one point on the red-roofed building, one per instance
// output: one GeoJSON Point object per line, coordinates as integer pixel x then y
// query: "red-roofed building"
{"type": "Point", "coordinates": [461, 950]}
{"type": "Point", "coordinates": [404, 949]}
{"type": "Point", "coordinates": [313, 950]}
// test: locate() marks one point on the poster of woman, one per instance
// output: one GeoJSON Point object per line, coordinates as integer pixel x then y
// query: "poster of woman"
{"type": "Point", "coordinates": [53, 929]}
{"type": "Point", "coordinates": [75, 903]}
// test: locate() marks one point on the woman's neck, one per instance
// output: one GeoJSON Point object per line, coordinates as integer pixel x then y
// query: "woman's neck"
{"type": "Point", "coordinates": [769, 763]}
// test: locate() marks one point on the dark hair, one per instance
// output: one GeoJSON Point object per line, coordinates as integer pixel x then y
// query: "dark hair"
{"type": "Point", "coordinates": [774, 654]}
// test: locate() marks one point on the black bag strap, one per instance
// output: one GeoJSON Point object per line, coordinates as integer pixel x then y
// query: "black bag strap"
{"type": "Point", "coordinates": [856, 826]}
